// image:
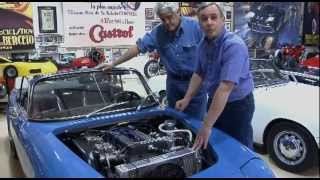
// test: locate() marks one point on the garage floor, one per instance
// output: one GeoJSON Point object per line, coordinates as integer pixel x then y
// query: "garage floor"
{"type": "Point", "coordinates": [11, 167]}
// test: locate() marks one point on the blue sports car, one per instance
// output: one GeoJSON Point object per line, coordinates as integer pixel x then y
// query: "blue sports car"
{"type": "Point", "coordinates": [91, 123]}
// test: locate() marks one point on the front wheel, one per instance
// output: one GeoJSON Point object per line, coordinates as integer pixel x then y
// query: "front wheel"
{"type": "Point", "coordinates": [151, 68]}
{"type": "Point", "coordinates": [10, 72]}
{"type": "Point", "coordinates": [292, 147]}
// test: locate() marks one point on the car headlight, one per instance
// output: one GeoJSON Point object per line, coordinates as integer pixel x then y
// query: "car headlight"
{"type": "Point", "coordinates": [270, 19]}
{"type": "Point", "coordinates": [256, 168]}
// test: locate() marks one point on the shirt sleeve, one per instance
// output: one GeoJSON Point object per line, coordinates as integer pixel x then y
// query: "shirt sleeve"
{"type": "Point", "coordinates": [199, 33]}
{"type": "Point", "coordinates": [199, 69]}
{"type": "Point", "coordinates": [148, 42]}
{"type": "Point", "coordinates": [234, 58]}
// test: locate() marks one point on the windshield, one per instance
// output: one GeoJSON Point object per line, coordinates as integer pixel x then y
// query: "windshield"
{"type": "Point", "coordinates": [79, 94]}
{"type": "Point", "coordinates": [265, 74]}
{"type": "Point", "coordinates": [267, 77]}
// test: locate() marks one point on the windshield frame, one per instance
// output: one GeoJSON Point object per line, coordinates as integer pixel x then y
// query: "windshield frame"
{"type": "Point", "coordinates": [89, 71]}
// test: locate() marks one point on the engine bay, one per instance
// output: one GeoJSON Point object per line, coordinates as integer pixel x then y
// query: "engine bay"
{"type": "Point", "coordinates": [150, 147]}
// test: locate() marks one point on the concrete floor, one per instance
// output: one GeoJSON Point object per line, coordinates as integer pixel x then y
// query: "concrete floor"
{"type": "Point", "coordinates": [11, 167]}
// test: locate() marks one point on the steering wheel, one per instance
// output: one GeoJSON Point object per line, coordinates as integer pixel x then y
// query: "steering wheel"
{"type": "Point", "coordinates": [126, 96]}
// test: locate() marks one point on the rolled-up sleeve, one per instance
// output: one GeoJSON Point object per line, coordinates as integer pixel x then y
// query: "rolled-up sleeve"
{"type": "Point", "coordinates": [234, 58]}
{"type": "Point", "coordinates": [147, 43]}
{"type": "Point", "coordinates": [199, 69]}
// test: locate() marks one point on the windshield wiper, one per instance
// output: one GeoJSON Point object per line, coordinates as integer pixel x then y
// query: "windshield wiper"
{"type": "Point", "coordinates": [106, 107]}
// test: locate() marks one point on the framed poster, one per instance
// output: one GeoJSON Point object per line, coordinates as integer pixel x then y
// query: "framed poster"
{"type": "Point", "coordinates": [149, 14]}
{"type": "Point", "coordinates": [47, 19]}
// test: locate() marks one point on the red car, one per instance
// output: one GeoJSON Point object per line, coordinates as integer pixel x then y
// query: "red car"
{"type": "Point", "coordinates": [311, 61]}
{"type": "Point", "coordinates": [289, 57]}
{"type": "Point", "coordinates": [293, 51]}
{"type": "Point", "coordinates": [94, 57]}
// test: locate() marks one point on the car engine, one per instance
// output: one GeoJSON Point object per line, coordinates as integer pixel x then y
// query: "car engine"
{"type": "Point", "coordinates": [159, 148]}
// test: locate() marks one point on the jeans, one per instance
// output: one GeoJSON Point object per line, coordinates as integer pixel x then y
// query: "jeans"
{"type": "Point", "coordinates": [176, 89]}
{"type": "Point", "coordinates": [235, 120]}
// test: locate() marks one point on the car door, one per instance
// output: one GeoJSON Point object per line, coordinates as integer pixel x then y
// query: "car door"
{"type": "Point", "coordinates": [17, 121]}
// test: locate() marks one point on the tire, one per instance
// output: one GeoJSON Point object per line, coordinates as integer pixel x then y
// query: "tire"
{"type": "Point", "coordinates": [10, 72]}
{"type": "Point", "coordinates": [151, 68]}
{"type": "Point", "coordinates": [301, 151]}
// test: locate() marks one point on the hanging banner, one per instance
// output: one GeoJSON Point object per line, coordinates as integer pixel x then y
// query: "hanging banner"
{"type": "Point", "coordinates": [311, 23]}
{"type": "Point", "coordinates": [89, 24]}
{"type": "Point", "coordinates": [16, 27]}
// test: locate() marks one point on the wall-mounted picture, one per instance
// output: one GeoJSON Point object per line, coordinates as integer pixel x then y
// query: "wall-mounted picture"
{"type": "Point", "coordinates": [149, 14]}
{"type": "Point", "coordinates": [47, 19]}
{"type": "Point", "coordinates": [228, 15]}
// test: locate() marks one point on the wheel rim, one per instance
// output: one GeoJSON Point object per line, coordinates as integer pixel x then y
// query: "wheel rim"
{"type": "Point", "coordinates": [11, 72]}
{"type": "Point", "coordinates": [153, 69]}
{"type": "Point", "coordinates": [289, 147]}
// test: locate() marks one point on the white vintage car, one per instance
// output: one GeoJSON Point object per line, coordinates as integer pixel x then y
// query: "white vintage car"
{"type": "Point", "coordinates": [286, 118]}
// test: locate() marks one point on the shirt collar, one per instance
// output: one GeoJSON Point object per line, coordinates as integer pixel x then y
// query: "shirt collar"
{"type": "Point", "coordinates": [218, 39]}
{"type": "Point", "coordinates": [181, 27]}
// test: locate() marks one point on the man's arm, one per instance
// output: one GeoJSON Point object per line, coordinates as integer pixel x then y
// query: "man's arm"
{"type": "Point", "coordinates": [218, 103]}
{"type": "Point", "coordinates": [132, 52]}
{"type": "Point", "coordinates": [194, 85]}
{"type": "Point", "coordinates": [147, 43]}
{"type": "Point", "coordinates": [193, 88]}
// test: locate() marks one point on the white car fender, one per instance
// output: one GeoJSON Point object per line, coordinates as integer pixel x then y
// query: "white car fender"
{"type": "Point", "coordinates": [291, 101]}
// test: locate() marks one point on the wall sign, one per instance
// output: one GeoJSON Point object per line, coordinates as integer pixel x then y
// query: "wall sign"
{"type": "Point", "coordinates": [47, 19]}
{"type": "Point", "coordinates": [16, 26]}
{"type": "Point", "coordinates": [89, 24]}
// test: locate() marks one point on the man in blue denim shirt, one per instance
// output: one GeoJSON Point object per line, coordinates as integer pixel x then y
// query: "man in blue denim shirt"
{"type": "Point", "coordinates": [223, 70]}
{"type": "Point", "coordinates": [176, 40]}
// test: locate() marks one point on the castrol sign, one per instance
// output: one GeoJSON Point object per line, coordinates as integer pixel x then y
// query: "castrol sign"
{"type": "Point", "coordinates": [112, 24]}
